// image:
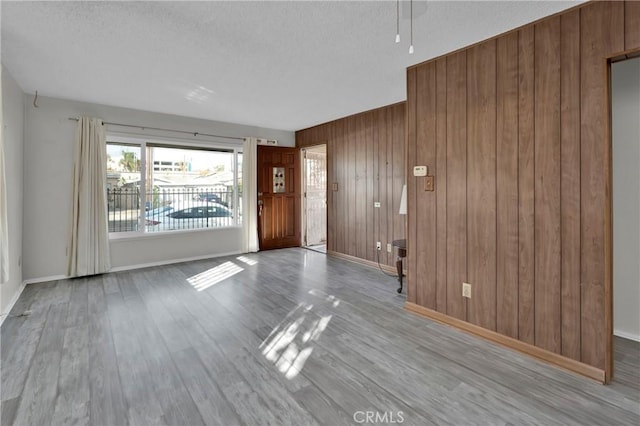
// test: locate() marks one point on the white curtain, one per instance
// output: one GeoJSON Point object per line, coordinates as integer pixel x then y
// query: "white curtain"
{"type": "Point", "coordinates": [89, 239]}
{"type": "Point", "coordinates": [250, 195]}
{"type": "Point", "coordinates": [4, 219]}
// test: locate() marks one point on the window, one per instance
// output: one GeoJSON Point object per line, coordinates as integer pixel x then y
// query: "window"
{"type": "Point", "coordinates": [156, 188]}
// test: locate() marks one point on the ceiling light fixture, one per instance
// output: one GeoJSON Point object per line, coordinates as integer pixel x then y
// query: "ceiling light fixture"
{"type": "Point", "coordinates": [397, 21]}
{"type": "Point", "coordinates": [411, 28]}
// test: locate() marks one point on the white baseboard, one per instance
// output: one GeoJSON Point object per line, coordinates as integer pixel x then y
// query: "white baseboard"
{"type": "Point", "coordinates": [171, 261]}
{"type": "Point", "coordinates": [46, 279]}
{"type": "Point", "coordinates": [137, 266]}
{"type": "Point", "coordinates": [626, 335]}
{"type": "Point", "coordinates": [116, 269]}
{"type": "Point", "coordinates": [14, 299]}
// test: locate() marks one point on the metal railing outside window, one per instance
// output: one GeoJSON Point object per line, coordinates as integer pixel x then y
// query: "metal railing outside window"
{"type": "Point", "coordinates": [170, 209]}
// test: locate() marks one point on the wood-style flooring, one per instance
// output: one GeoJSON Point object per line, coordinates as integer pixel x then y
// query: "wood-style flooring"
{"type": "Point", "coordinates": [285, 337]}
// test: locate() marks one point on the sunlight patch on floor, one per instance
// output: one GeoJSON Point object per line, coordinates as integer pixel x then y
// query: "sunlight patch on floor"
{"type": "Point", "coordinates": [246, 260]}
{"type": "Point", "coordinates": [290, 343]}
{"type": "Point", "coordinates": [213, 276]}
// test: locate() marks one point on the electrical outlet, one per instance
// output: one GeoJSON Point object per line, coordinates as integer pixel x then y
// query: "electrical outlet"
{"type": "Point", "coordinates": [379, 245]}
{"type": "Point", "coordinates": [376, 204]}
{"type": "Point", "coordinates": [389, 249]}
{"type": "Point", "coordinates": [466, 290]}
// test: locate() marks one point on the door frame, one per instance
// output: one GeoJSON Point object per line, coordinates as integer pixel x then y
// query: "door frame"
{"type": "Point", "coordinates": [303, 190]}
{"type": "Point", "coordinates": [608, 213]}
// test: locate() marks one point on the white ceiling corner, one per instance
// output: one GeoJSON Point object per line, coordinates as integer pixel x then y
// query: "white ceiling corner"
{"type": "Point", "coordinates": [284, 65]}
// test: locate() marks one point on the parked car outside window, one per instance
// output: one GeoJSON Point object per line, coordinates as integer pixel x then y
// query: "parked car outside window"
{"type": "Point", "coordinates": [200, 215]}
{"type": "Point", "coordinates": [212, 197]}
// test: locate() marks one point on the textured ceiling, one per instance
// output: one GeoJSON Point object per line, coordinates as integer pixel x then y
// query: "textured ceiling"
{"type": "Point", "coordinates": [286, 65]}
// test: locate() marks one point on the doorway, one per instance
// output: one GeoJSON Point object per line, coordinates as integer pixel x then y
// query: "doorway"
{"type": "Point", "coordinates": [625, 115]}
{"type": "Point", "coordinates": [314, 197]}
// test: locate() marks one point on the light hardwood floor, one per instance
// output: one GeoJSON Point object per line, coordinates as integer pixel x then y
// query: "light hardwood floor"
{"type": "Point", "coordinates": [281, 337]}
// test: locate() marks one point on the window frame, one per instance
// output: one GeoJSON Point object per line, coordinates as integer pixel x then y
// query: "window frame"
{"type": "Point", "coordinates": [180, 143]}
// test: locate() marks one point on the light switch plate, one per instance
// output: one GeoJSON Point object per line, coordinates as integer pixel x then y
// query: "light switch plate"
{"type": "Point", "coordinates": [428, 183]}
{"type": "Point", "coordinates": [420, 170]}
{"type": "Point", "coordinates": [376, 204]}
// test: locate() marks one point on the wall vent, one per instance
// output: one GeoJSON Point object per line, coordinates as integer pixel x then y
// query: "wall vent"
{"type": "Point", "coordinates": [270, 142]}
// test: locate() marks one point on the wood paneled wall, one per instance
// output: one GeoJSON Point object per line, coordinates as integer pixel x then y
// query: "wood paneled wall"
{"type": "Point", "coordinates": [515, 131]}
{"type": "Point", "coordinates": [365, 158]}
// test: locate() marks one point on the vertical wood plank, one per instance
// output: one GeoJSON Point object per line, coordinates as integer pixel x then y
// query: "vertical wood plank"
{"type": "Point", "coordinates": [547, 185]}
{"type": "Point", "coordinates": [331, 199]}
{"type": "Point", "coordinates": [507, 185]}
{"type": "Point", "coordinates": [351, 231]}
{"type": "Point", "coordinates": [389, 171]}
{"type": "Point", "coordinates": [456, 183]}
{"type": "Point", "coordinates": [399, 159]}
{"type": "Point", "coordinates": [340, 213]}
{"type": "Point", "coordinates": [423, 122]}
{"type": "Point", "coordinates": [441, 185]}
{"type": "Point", "coordinates": [481, 183]}
{"type": "Point", "coordinates": [526, 206]}
{"type": "Point", "coordinates": [631, 24]}
{"type": "Point", "coordinates": [412, 236]}
{"type": "Point", "coordinates": [370, 178]}
{"type": "Point", "coordinates": [570, 182]}
{"type": "Point", "coordinates": [425, 200]}
{"type": "Point", "coordinates": [381, 181]}
{"type": "Point", "coordinates": [601, 34]}
{"type": "Point", "coordinates": [361, 187]}
{"type": "Point", "coordinates": [341, 128]}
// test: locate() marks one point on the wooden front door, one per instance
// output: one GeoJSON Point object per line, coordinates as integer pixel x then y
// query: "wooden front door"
{"type": "Point", "coordinates": [278, 197]}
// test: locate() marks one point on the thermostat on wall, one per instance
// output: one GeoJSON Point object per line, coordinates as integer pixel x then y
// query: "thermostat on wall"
{"type": "Point", "coordinates": [420, 170]}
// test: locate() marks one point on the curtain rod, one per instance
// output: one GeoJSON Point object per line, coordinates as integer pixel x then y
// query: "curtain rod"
{"type": "Point", "coordinates": [165, 130]}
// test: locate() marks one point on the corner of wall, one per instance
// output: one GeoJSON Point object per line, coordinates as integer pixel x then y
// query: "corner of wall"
{"type": "Point", "coordinates": [13, 113]}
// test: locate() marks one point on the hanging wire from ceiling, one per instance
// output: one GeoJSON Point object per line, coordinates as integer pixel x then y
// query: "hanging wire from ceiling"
{"type": "Point", "coordinates": [411, 28]}
{"type": "Point", "coordinates": [397, 21]}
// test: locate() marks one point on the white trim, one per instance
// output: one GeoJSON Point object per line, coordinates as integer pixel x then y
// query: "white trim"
{"type": "Point", "coordinates": [136, 235]}
{"type": "Point", "coordinates": [139, 139]}
{"type": "Point", "coordinates": [46, 279]}
{"type": "Point", "coordinates": [171, 261]}
{"type": "Point", "coordinates": [13, 302]}
{"type": "Point", "coordinates": [626, 335]}
{"type": "Point", "coordinates": [137, 266]}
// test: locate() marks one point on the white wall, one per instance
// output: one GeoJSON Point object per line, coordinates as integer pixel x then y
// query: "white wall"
{"type": "Point", "coordinates": [48, 160]}
{"type": "Point", "coordinates": [626, 198]}
{"type": "Point", "coordinates": [13, 119]}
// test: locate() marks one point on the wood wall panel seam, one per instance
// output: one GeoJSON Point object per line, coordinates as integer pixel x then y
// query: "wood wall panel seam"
{"type": "Point", "coordinates": [481, 175]}
{"type": "Point", "coordinates": [441, 186]}
{"type": "Point", "coordinates": [570, 183]}
{"type": "Point", "coordinates": [507, 186]}
{"type": "Point", "coordinates": [547, 185]}
{"type": "Point", "coordinates": [456, 138]}
{"type": "Point", "coordinates": [411, 188]}
{"type": "Point", "coordinates": [526, 207]}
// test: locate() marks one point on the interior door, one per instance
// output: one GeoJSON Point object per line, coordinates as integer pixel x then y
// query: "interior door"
{"type": "Point", "coordinates": [278, 197]}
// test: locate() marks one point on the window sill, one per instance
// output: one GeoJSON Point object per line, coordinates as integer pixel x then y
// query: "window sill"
{"type": "Point", "coordinates": [128, 236]}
